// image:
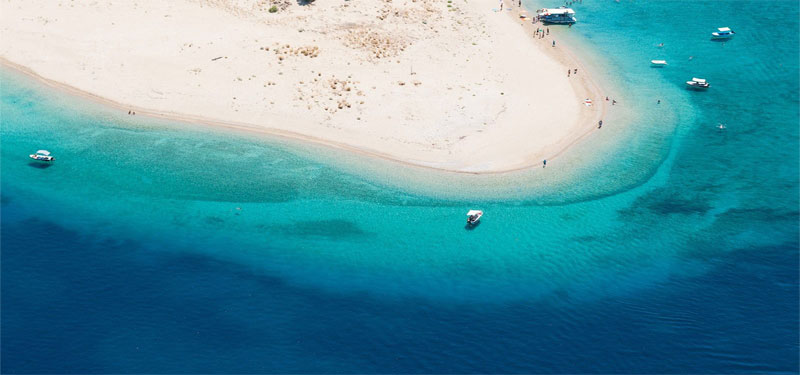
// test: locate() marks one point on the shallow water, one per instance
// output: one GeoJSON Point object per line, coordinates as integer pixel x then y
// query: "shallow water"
{"type": "Point", "coordinates": [659, 244]}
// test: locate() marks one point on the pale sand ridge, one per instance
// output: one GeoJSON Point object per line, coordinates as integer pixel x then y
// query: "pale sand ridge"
{"type": "Point", "coordinates": [461, 88]}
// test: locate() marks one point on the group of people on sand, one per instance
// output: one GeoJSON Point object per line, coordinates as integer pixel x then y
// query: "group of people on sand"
{"type": "Point", "coordinates": [541, 32]}
{"type": "Point", "coordinates": [572, 71]}
{"type": "Point", "coordinates": [131, 112]}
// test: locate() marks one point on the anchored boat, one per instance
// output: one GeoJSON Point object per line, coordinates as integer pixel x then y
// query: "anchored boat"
{"type": "Point", "coordinates": [722, 33]}
{"type": "Point", "coordinates": [658, 63]}
{"type": "Point", "coordinates": [562, 15]}
{"type": "Point", "coordinates": [698, 84]}
{"type": "Point", "coordinates": [42, 155]}
{"type": "Point", "coordinates": [473, 217]}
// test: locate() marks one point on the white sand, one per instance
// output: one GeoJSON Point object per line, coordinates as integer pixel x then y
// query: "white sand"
{"type": "Point", "coordinates": [461, 88]}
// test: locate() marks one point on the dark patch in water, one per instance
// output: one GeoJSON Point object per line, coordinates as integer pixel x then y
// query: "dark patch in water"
{"type": "Point", "coordinates": [39, 165]}
{"type": "Point", "coordinates": [761, 214]}
{"type": "Point", "coordinates": [567, 216]}
{"type": "Point", "coordinates": [587, 238]}
{"type": "Point", "coordinates": [472, 226]}
{"type": "Point", "coordinates": [678, 205]}
{"type": "Point", "coordinates": [667, 202]}
{"type": "Point", "coordinates": [322, 228]}
{"type": "Point", "coordinates": [214, 220]}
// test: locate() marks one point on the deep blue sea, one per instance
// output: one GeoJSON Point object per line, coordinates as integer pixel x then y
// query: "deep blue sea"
{"type": "Point", "coordinates": [660, 244]}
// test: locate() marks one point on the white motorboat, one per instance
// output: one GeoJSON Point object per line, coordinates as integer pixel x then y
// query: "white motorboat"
{"type": "Point", "coordinates": [42, 155]}
{"type": "Point", "coordinates": [698, 84]}
{"type": "Point", "coordinates": [562, 15]}
{"type": "Point", "coordinates": [658, 63]}
{"type": "Point", "coordinates": [722, 33]}
{"type": "Point", "coordinates": [474, 216]}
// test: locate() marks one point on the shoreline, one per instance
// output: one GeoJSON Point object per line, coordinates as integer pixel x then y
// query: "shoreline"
{"type": "Point", "coordinates": [583, 85]}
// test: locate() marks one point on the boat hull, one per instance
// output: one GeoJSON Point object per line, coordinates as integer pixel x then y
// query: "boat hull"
{"type": "Point", "coordinates": [559, 22]}
{"type": "Point", "coordinates": [45, 160]}
{"type": "Point", "coordinates": [699, 88]}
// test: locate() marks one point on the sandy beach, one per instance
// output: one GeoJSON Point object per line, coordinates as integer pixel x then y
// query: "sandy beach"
{"type": "Point", "coordinates": [459, 86]}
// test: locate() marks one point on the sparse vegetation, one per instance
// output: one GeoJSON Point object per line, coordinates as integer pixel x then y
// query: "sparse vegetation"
{"type": "Point", "coordinates": [273, 9]}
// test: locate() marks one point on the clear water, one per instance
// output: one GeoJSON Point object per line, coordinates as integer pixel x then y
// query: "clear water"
{"type": "Point", "coordinates": [660, 244]}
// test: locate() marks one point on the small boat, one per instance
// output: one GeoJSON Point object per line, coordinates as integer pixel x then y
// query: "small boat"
{"type": "Point", "coordinates": [722, 33]}
{"type": "Point", "coordinates": [562, 15]}
{"type": "Point", "coordinates": [658, 63]}
{"type": "Point", "coordinates": [474, 216]}
{"type": "Point", "coordinates": [698, 84]}
{"type": "Point", "coordinates": [42, 155]}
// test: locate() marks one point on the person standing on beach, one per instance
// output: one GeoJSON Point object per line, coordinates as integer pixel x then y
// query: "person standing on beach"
{"type": "Point", "coordinates": [544, 163]}
{"type": "Point", "coordinates": [600, 124]}
{"type": "Point", "coordinates": [554, 43]}
{"type": "Point", "coordinates": [520, 3]}
{"type": "Point", "coordinates": [548, 31]}
{"type": "Point", "coordinates": [501, 4]}
{"type": "Point", "coordinates": [568, 73]}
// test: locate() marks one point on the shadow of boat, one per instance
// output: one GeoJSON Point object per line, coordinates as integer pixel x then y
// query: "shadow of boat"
{"type": "Point", "coordinates": [469, 226]}
{"type": "Point", "coordinates": [36, 165]}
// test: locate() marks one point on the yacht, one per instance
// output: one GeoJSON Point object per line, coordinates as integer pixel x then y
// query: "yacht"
{"type": "Point", "coordinates": [42, 155]}
{"type": "Point", "coordinates": [722, 33]}
{"type": "Point", "coordinates": [698, 84]}
{"type": "Point", "coordinates": [474, 216]}
{"type": "Point", "coordinates": [562, 15]}
{"type": "Point", "coordinates": [658, 63]}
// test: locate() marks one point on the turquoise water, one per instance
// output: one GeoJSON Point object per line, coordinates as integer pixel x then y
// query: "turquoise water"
{"type": "Point", "coordinates": [659, 244]}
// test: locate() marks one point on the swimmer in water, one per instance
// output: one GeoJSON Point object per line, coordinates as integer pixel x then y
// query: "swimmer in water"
{"type": "Point", "coordinates": [721, 126]}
